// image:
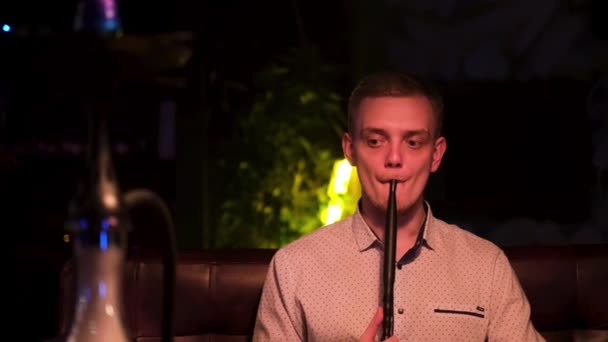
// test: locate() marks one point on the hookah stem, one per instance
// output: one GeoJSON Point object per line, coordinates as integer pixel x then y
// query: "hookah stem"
{"type": "Point", "coordinates": [390, 234]}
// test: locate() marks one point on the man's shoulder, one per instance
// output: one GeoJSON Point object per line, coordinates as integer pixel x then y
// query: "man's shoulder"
{"type": "Point", "coordinates": [461, 240]}
{"type": "Point", "coordinates": [325, 237]}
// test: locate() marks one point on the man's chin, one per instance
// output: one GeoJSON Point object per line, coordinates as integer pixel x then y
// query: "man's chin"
{"type": "Point", "coordinates": [404, 211]}
{"type": "Point", "coordinates": [401, 211]}
{"type": "Point", "coordinates": [377, 207]}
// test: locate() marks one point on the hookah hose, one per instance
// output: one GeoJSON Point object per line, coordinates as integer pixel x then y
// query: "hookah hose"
{"type": "Point", "coordinates": [137, 197]}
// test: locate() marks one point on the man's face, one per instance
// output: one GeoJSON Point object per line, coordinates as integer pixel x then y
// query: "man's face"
{"type": "Point", "coordinates": [392, 138]}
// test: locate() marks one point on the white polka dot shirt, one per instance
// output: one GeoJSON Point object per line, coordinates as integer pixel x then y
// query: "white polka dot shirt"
{"type": "Point", "coordinates": [327, 285]}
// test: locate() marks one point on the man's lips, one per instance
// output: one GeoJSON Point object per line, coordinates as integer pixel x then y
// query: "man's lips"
{"type": "Point", "coordinates": [388, 180]}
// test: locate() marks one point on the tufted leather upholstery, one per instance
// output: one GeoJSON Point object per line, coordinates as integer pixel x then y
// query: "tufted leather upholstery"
{"type": "Point", "coordinates": [218, 292]}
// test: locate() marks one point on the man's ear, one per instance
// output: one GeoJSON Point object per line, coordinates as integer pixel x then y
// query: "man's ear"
{"type": "Point", "coordinates": [347, 147]}
{"type": "Point", "coordinates": [438, 152]}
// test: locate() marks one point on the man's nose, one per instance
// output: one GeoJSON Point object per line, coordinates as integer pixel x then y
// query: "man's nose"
{"type": "Point", "coordinates": [394, 159]}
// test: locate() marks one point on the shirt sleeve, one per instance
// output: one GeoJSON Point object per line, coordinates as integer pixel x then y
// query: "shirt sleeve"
{"type": "Point", "coordinates": [510, 309]}
{"type": "Point", "coordinates": [278, 317]}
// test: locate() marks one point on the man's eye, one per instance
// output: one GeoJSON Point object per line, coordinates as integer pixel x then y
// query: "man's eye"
{"type": "Point", "coordinates": [373, 142]}
{"type": "Point", "coordinates": [413, 143]}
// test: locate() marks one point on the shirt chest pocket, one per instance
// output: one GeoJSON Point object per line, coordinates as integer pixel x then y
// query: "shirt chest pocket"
{"type": "Point", "coordinates": [459, 309]}
{"type": "Point", "coordinates": [460, 321]}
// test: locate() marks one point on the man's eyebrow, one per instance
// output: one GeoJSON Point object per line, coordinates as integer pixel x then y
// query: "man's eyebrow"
{"type": "Point", "coordinates": [422, 132]}
{"type": "Point", "coordinates": [369, 130]}
{"type": "Point", "coordinates": [408, 134]}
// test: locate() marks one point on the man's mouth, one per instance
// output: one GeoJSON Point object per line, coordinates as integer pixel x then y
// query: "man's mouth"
{"type": "Point", "coordinates": [388, 180]}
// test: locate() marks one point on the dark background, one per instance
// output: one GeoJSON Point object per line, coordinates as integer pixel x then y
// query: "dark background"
{"type": "Point", "coordinates": [517, 147]}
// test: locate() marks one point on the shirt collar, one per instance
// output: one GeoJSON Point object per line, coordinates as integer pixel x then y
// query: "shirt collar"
{"type": "Point", "coordinates": [365, 237]}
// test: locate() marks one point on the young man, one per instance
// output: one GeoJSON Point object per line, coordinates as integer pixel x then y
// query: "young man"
{"type": "Point", "coordinates": [450, 285]}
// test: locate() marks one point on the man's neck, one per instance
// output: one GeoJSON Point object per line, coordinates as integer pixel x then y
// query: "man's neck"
{"type": "Point", "coordinates": [408, 222]}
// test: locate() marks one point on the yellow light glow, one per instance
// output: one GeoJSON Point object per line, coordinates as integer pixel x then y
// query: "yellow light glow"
{"type": "Point", "coordinates": [334, 213]}
{"type": "Point", "coordinates": [342, 190]}
{"type": "Point", "coordinates": [66, 238]}
{"type": "Point", "coordinates": [341, 176]}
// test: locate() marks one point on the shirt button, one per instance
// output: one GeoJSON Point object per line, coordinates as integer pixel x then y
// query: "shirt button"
{"type": "Point", "coordinates": [400, 311]}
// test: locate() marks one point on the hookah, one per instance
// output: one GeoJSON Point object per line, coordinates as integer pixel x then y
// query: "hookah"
{"type": "Point", "coordinates": [99, 222]}
{"type": "Point", "coordinates": [98, 219]}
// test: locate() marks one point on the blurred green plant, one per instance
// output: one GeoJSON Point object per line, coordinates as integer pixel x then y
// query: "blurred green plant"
{"type": "Point", "coordinates": [281, 160]}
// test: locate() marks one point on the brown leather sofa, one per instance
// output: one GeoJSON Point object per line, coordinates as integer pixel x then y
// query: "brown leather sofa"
{"type": "Point", "coordinates": [218, 292]}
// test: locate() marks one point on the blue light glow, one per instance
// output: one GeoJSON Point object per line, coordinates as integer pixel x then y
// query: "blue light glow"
{"type": "Point", "coordinates": [102, 289]}
{"type": "Point", "coordinates": [103, 240]}
{"type": "Point", "coordinates": [6, 28]}
{"type": "Point", "coordinates": [111, 25]}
